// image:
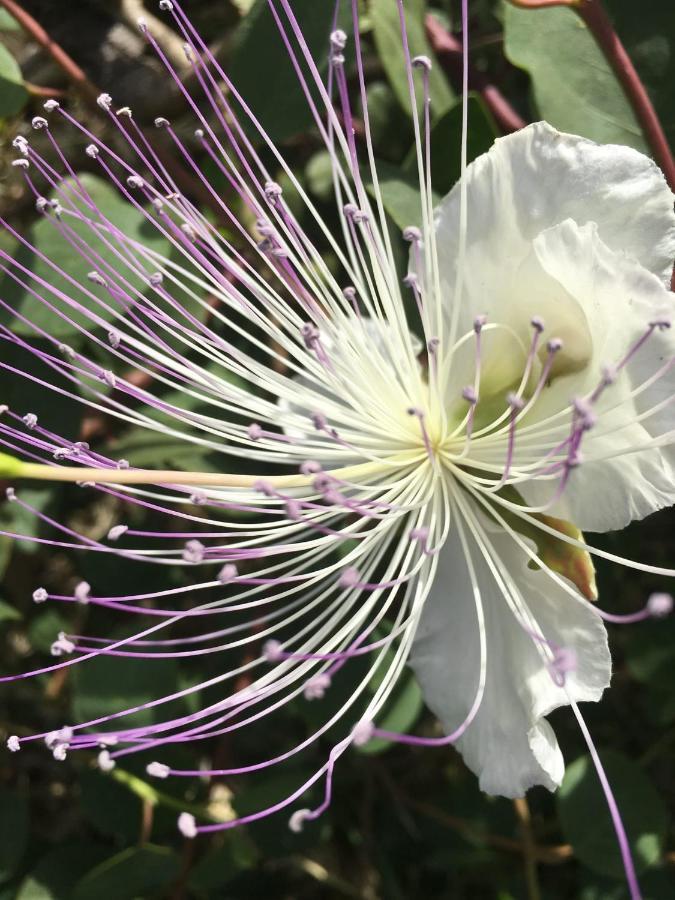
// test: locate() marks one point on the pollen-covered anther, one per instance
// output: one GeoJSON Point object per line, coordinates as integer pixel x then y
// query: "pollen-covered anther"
{"type": "Point", "coordinates": [157, 770]}
{"type": "Point", "coordinates": [310, 467]}
{"type": "Point", "coordinates": [62, 646]}
{"type": "Point", "coordinates": [585, 413]}
{"type": "Point", "coordinates": [479, 322]}
{"type": "Point", "coordinates": [10, 494]}
{"type": "Point", "coordinates": [124, 111]}
{"type": "Point", "coordinates": [40, 595]}
{"type": "Point", "coordinates": [470, 394]}
{"type": "Point", "coordinates": [92, 151]}
{"type": "Point", "coordinates": [661, 324]}
{"type": "Point", "coordinates": [421, 535]}
{"type": "Point", "coordinates": [38, 122]}
{"type": "Point", "coordinates": [122, 463]}
{"type": "Point", "coordinates": [315, 688]}
{"type": "Point", "coordinates": [554, 345]}
{"type": "Point", "coordinates": [293, 510]}
{"type": "Point", "coordinates": [227, 573]}
{"type": "Point", "coordinates": [51, 105]}
{"type": "Point", "coordinates": [432, 345]}
{"type": "Point", "coordinates": [362, 732]}
{"type": "Point", "coordinates": [349, 577]}
{"type": "Point", "coordinates": [165, 5]}
{"type": "Point", "coordinates": [161, 122]}
{"type": "Point", "coordinates": [21, 163]}
{"type": "Point", "coordinates": [30, 420]}
{"type": "Point", "coordinates": [411, 280]}
{"type": "Point", "coordinates": [187, 825]}
{"type": "Point", "coordinates": [297, 821]}
{"type": "Point", "coordinates": [13, 743]}
{"type": "Point", "coordinates": [135, 181]}
{"type": "Point", "coordinates": [110, 378]}
{"type": "Point", "coordinates": [20, 143]}
{"type": "Point", "coordinates": [273, 191]}
{"type": "Point", "coordinates": [104, 101]}
{"type": "Point", "coordinates": [338, 39]}
{"type": "Point", "coordinates": [114, 339]}
{"type": "Point", "coordinates": [96, 278]}
{"type": "Point", "coordinates": [412, 234]}
{"type": "Point", "coordinates": [193, 552]}
{"type": "Point", "coordinates": [659, 605]}
{"type": "Point", "coordinates": [273, 651]}
{"type": "Point", "coordinates": [319, 421]}
{"type": "Point", "coordinates": [142, 25]}
{"type": "Point", "coordinates": [60, 752]}
{"type": "Point", "coordinates": [422, 62]}
{"type": "Point", "coordinates": [41, 205]}
{"type": "Point", "coordinates": [82, 592]}
{"type": "Point", "coordinates": [116, 532]}
{"type": "Point", "coordinates": [105, 761]}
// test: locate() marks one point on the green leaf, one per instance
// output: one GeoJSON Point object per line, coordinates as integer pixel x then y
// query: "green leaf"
{"type": "Point", "coordinates": [400, 195]}
{"type": "Point", "coordinates": [267, 80]}
{"type": "Point", "coordinates": [446, 136]}
{"type": "Point", "coordinates": [586, 821]}
{"type": "Point", "coordinates": [388, 41]}
{"type": "Point", "coordinates": [13, 95]}
{"type": "Point", "coordinates": [8, 613]}
{"type": "Point", "coordinates": [14, 819]}
{"type": "Point", "coordinates": [400, 713]}
{"type": "Point", "coordinates": [574, 87]}
{"type": "Point", "coordinates": [109, 806]}
{"type": "Point", "coordinates": [55, 875]}
{"type": "Point", "coordinates": [47, 239]}
{"type": "Point", "coordinates": [7, 22]}
{"type": "Point", "coordinates": [133, 873]}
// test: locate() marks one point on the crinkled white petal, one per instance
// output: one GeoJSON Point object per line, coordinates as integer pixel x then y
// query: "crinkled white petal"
{"type": "Point", "coordinates": [510, 746]}
{"type": "Point", "coordinates": [619, 298]}
{"type": "Point", "coordinates": [538, 177]}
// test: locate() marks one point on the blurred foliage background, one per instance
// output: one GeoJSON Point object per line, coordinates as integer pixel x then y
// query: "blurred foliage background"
{"type": "Point", "coordinates": [404, 823]}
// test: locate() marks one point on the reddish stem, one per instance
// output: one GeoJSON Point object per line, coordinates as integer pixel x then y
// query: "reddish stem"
{"type": "Point", "coordinates": [449, 52]}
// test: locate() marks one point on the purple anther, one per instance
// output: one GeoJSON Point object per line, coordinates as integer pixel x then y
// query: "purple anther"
{"type": "Point", "coordinates": [264, 487]}
{"type": "Point", "coordinates": [187, 825]}
{"type": "Point", "coordinates": [469, 394]}
{"type": "Point", "coordinates": [254, 431]}
{"type": "Point", "coordinates": [554, 345]}
{"type": "Point", "coordinates": [104, 101]}
{"type": "Point", "coordinates": [411, 280]}
{"type": "Point", "coordinates": [515, 401]}
{"type": "Point", "coordinates": [412, 234]}
{"type": "Point", "coordinates": [564, 661]}
{"type": "Point", "coordinates": [110, 378]}
{"type": "Point", "coordinates": [661, 324]}
{"type": "Point", "coordinates": [122, 463]}
{"type": "Point", "coordinates": [193, 552]}
{"type": "Point", "coordinates": [116, 532]}
{"type": "Point", "coordinates": [316, 687]}
{"type": "Point", "coordinates": [432, 345]}
{"type": "Point", "coordinates": [310, 335]}
{"type": "Point", "coordinates": [479, 322]}
{"type": "Point", "coordinates": [165, 5]}
{"type": "Point", "coordinates": [62, 646]}
{"type": "Point", "coordinates": [349, 578]}
{"type": "Point", "coordinates": [349, 209]}
{"type": "Point", "coordinates": [273, 651]}
{"type": "Point", "coordinates": [30, 420]}
{"type": "Point", "coordinates": [82, 592]}
{"type": "Point", "coordinates": [420, 534]}
{"type": "Point", "coordinates": [273, 191]}
{"type": "Point", "coordinates": [293, 510]}
{"type": "Point", "coordinates": [319, 421]}
{"type": "Point", "coordinates": [362, 732]}
{"type": "Point", "coordinates": [40, 595]}
{"type": "Point", "coordinates": [135, 181]}
{"type": "Point", "coordinates": [114, 339]}
{"type": "Point", "coordinates": [310, 467]}
{"type": "Point", "coordinates": [96, 278]}
{"type": "Point", "coordinates": [157, 770]}
{"type": "Point", "coordinates": [156, 279]}
{"type": "Point", "coordinates": [228, 573]}
{"type": "Point", "coordinates": [537, 323]}
{"type": "Point", "coordinates": [659, 605]}
{"type": "Point", "coordinates": [585, 413]}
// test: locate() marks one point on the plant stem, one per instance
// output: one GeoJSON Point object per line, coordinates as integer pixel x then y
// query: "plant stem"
{"type": "Point", "coordinates": [531, 877]}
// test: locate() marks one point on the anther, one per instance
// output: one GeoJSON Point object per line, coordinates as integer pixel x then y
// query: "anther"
{"type": "Point", "coordinates": [142, 25]}
{"type": "Point", "coordinates": [319, 421]}
{"type": "Point", "coordinates": [135, 181]}
{"type": "Point", "coordinates": [422, 62]}
{"type": "Point", "coordinates": [10, 494]}
{"type": "Point", "coordinates": [515, 401]}
{"type": "Point", "coordinates": [114, 339]}
{"type": "Point", "coordinates": [479, 322]}
{"type": "Point", "coordinates": [661, 324]}
{"type": "Point", "coordinates": [254, 431]}
{"type": "Point", "coordinates": [161, 122]}
{"type": "Point", "coordinates": [227, 573]}
{"type": "Point", "coordinates": [50, 105]}
{"type": "Point", "coordinates": [13, 743]}
{"type": "Point", "coordinates": [293, 510]}
{"type": "Point", "coordinates": [20, 143]}
{"type": "Point", "coordinates": [585, 413]}
{"type": "Point", "coordinates": [272, 651]}
{"type": "Point", "coordinates": [187, 825]}
{"type": "Point", "coordinates": [537, 323]}
{"type": "Point", "coordinates": [315, 688]}
{"type": "Point", "coordinates": [199, 134]}
{"type": "Point", "coordinates": [554, 345]}
{"type": "Point", "coordinates": [116, 532]}
{"type": "Point", "coordinates": [660, 605]}
{"type": "Point", "coordinates": [60, 752]}
{"type": "Point", "coordinates": [104, 101]}
{"type": "Point", "coordinates": [165, 5]}
{"type": "Point", "coordinates": [193, 552]}
{"type": "Point", "coordinates": [156, 279]}
{"type": "Point", "coordinates": [21, 163]}
{"type": "Point", "coordinates": [30, 420]}
{"type": "Point", "coordinates": [564, 661]}
{"type": "Point", "coordinates": [273, 190]}
{"type": "Point", "coordinates": [362, 732]}
{"type": "Point", "coordinates": [41, 204]}
{"type": "Point", "coordinates": [92, 151]}
{"type": "Point", "coordinates": [338, 39]}
{"type": "Point", "coordinates": [420, 534]}
{"type": "Point", "coordinates": [124, 111]}
{"type": "Point", "coordinates": [39, 122]}
{"type": "Point", "coordinates": [310, 467]}
{"type": "Point", "coordinates": [432, 345]}
{"type": "Point", "coordinates": [105, 761]}
{"type": "Point", "coordinates": [412, 234]}
{"type": "Point", "coordinates": [469, 394]}
{"type": "Point", "coordinates": [110, 378]}
{"type": "Point", "coordinates": [187, 50]}
{"type": "Point", "coordinates": [297, 821]}
{"type": "Point", "coordinates": [96, 278]}
{"type": "Point", "coordinates": [82, 592]}
{"type": "Point", "coordinates": [349, 578]}
{"type": "Point", "coordinates": [310, 335]}
{"type": "Point", "coordinates": [40, 595]}
{"type": "Point", "coordinates": [411, 280]}
{"type": "Point", "coordinates": [62, 645]}
{"type": "Point", "coordinates": [122, 463]}
{"type": "Point", "coordinates": [157, 770]}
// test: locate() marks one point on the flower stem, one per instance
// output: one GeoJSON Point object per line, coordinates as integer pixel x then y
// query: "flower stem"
{"type": "Point", "coordinates": [595, 17]}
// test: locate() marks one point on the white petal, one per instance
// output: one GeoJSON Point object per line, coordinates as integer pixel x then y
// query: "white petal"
{"type": "Point", "coordinates": [619, 300]}
{"type": "Point", "coordinates": [538, 177]}
{"type": "Point", "coordinates": [509, 745]}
